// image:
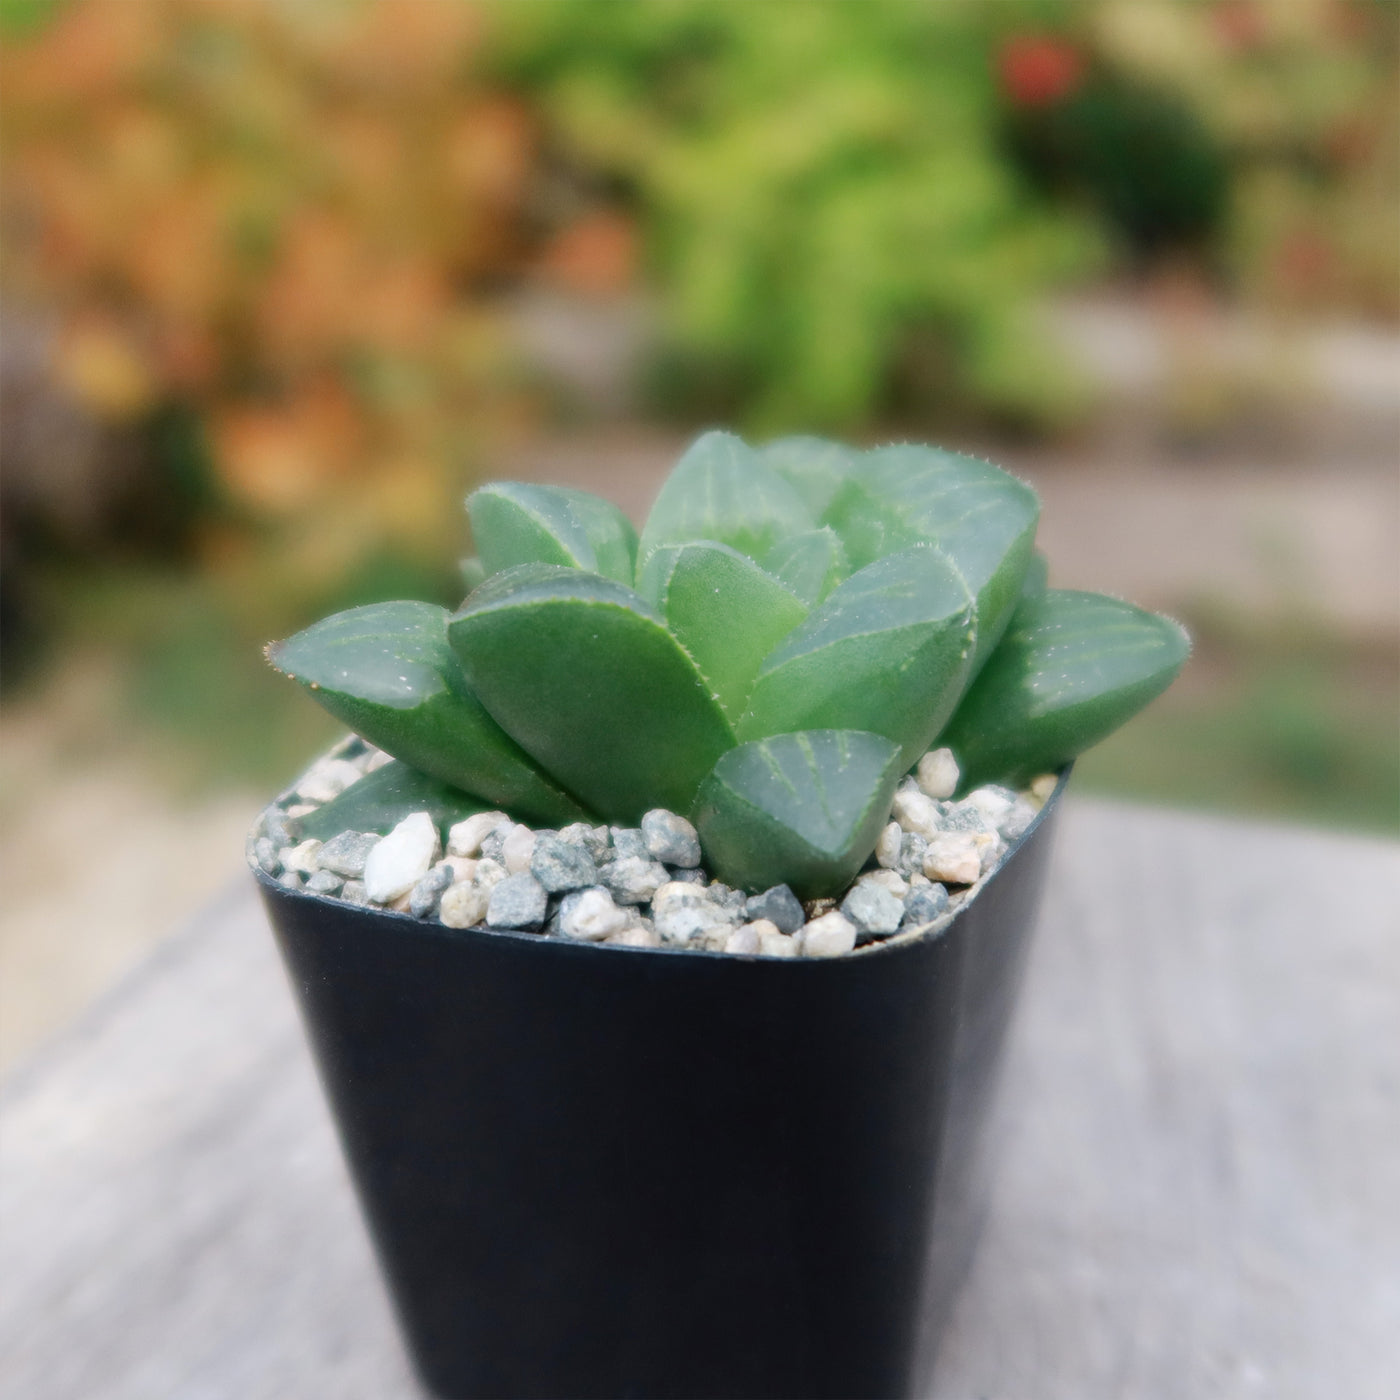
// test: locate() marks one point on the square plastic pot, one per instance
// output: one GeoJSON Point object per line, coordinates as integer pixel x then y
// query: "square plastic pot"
{"type": "Point", "coordinates": [595, 1171]}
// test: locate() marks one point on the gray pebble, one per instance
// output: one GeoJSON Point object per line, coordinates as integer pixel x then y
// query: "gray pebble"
{"type": "Point", "coordinates": [593, 839]}
{"type": "Point", "coordinates": [347, 853]}
{"type": "Point", "coordinates": [686, 923]}
{"type": "Point", "coordinates": [779, 906]}
{"type": "Point", "coordinates": [872, 908]}
{"type": "Point", "coordinates": [671, 838]}
{"type": "Point", "coordinates": [733, 902]}
{"type": "Point", "coordinates": [519, 901]}
{"type": "Point", "coordinates": [290, 881]}
{"type": "Point", "coordinates": [265, 853]}
{"type": "Point", "coordinates": [632, 879]}
{"type": "Point", "coordinates": [962, 816]}
{"type": "Point", "coordinates": [690, 877]}
{"type": "Point", "coordinates": [912, 850]}
{"type": "Point", "coordinates": [493, 844]}
{"type": "Point", "coordinates": [561, 865]}
{"type": "Point", "coordinates": [424, 898]}
{"type": "Point", "coordinates": [354, 892]}
{"type": "Point", "coordinates": [281, 830]}
{"type": "Point", "coordinates": [628, 841]}
{"type": "Point", "coordinates": [925, 904]}
{"type": "Point", "coordinates": [323, 882]}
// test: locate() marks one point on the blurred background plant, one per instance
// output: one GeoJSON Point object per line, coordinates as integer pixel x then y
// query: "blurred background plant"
{"type": "Point", "coordinates": [281, 280]}
{"type": "Point", "coordinates": [831, 227]}
{"type": "Point", "coordinates": [247, 244]}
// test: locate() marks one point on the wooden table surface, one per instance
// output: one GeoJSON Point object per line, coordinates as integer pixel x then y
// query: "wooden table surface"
{"type": "Point", "coordinates": [1198, 1189]}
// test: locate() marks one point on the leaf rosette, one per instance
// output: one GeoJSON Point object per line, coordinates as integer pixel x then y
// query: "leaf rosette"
{"type": "Point", "coordinates": [793, 628]}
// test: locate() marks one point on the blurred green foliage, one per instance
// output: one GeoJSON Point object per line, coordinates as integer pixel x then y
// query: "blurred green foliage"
{"type": "Point", "coordinates": [1284, 721]}
{"type": "Point", "coordinates": [828, 214]}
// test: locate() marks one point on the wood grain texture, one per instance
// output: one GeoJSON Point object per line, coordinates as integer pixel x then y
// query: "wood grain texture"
{"type": "Point", "coordinates": [1195, 1194]}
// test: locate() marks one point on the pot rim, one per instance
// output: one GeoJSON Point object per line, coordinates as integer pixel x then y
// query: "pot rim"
{"type": "Point", "coordinates": [895, 943]}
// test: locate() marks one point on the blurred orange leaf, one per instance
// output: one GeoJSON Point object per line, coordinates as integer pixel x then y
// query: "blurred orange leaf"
{"type": "Point", "coordinates": [103, 369]}
{"type": "Point", "coordinates": [597, 256]}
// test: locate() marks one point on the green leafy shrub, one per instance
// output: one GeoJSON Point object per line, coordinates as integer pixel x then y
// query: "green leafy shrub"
{"type": "Point", "coordinates": [794, 628]}
{"type": "Point", "coordinates": [827, 212]}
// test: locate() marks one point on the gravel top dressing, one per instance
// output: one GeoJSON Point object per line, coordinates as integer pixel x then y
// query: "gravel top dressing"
{"type": "Point", "coordinates": [641, 887]}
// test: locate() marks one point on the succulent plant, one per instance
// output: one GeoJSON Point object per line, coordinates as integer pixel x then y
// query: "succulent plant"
{"type": "Point", "coordinates": [796, 625]}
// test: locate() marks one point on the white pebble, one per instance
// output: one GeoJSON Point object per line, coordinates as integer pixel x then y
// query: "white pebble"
{"type": "Point", "coordinates": [992, 848]}
{"type": "Point", "coordinates": [302, 858]}
{"type": "Point", "coordinates": [327, 779]}
{"type": "Point", "coordinates": [1017, 821]}
{"type": "Point", "coordinates": [636, 936]}
{"type": "Point", "coordinates": [489, 874]}
{"type": "Point", "coordinates": [677, 894]}
{"type": "Point", "coordinates": [463, 905]}
{"type": "Point", "coordinates": [891, 880]}
{"type": "Point", "coordinates": [685, 923]}
{"type": "Point", "coordinates": [591, 915]}
{"type": "Point", "coordinates": [994, 803]}
{"type": "Point", "coordinates": [775, 944]}
{"type": "Point", "coordinates": [517, 849]}
{"type": "Point", "coordinates": [747, 940]}
{"type": "Point", "coordinates": [887, 847]}
{"type": "Point", "coordinates": [377, 758]}
{"type": "Point", "coordinates": [1043, 786]}
{"type": "Point", "coordinates": [465, 837]}
{"type": "Point", "coordinates": [828, 937]}
{"type": "Point", "coordinates": [954, 858]}
{"type": "Point", "coordinates": [916, 812]}
{"type": "Point", "coordinates": [462, 867]}
{"type": "Point", "coordinates": [401, 859]}
{"type": "Point", "coordinates": [938, 773]}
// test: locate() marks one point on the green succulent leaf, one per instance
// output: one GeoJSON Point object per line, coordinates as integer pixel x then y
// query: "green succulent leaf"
{"type": "Point", "coordinates": [816, 468]}
{"type": "Point", "coordinates": [722, 490]}
{"type": "Point", "coordinates": [380, 800]}
{"type": "Point", "coordinates": [798, 809]}
{"type": "Point", "coordinates": [983, 518]}
{"type": "Point", "coordinates": [1037, 578]}
{"type": "Point", "coordinates": [387, 671]}
{"type": "Point", "coordinates": [810, 564]}
{"type": "Point", "coordinates": [888, 652]}
{"type": "Point", "coordinates": [1071, 668]}
{"type": "Point", "coordinates": [724, 610]}
{"type": "Point", "coordinates": [472, 570]}
{"type": "Point", "coordinates": [517, 523]}
{"type": "Point", "coordinates": [583, 674]}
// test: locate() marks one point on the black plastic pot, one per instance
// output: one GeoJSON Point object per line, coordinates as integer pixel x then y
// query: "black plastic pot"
{"type": "Point", "coordinates": [598, 1171]}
